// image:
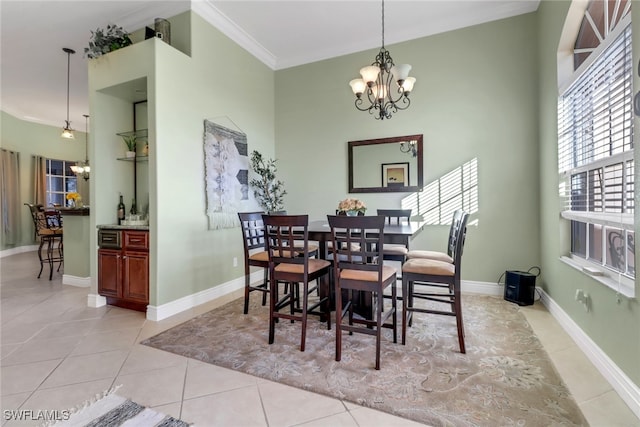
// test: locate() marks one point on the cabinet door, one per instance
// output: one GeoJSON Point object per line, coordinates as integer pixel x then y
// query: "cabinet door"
{"type": "Point", "coordinates": [136, 276]}
{"type": "Point", "coordinates": [109, 273]}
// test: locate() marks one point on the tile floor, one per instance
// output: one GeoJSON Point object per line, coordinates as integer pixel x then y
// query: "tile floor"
{"type": "Point", "coordinates": [57, 352]}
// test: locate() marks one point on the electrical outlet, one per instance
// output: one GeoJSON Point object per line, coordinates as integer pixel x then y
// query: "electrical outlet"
{"type": "Point", "coordinates": [235, 261]}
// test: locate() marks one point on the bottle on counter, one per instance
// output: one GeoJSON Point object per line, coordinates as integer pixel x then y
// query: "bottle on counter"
{"type": "Point", "coordinates": [120, 211]}
{"type": "Point", "coordinates": [134, 210]}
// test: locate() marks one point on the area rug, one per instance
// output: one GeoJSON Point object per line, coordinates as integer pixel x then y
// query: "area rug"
{"type": "Point", "coordinates": [110, 410]}
{"type": "Point", "coordinates": [505, 378]}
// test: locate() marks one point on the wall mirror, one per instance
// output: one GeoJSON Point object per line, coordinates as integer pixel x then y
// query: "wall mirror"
{"type": "Point", "coordinates": [386, 165]}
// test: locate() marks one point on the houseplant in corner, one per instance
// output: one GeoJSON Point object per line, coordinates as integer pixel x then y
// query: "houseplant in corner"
{"type": "Point", "coordinates": [130, 141]}
{"type": "Point", "coordinates": [107, 40]}
{"type": "Point", "coordinates": [267, 189]}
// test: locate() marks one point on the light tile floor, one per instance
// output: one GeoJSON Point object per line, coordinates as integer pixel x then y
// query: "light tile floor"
{"type": "Point", "coordinates": [57, 352]}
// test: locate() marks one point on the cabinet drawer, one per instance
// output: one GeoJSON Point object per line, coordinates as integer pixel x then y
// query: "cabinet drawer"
{"type": "Point", "coordinates": [136, 240]}
{"type": "Point", "coordinates": [110, 239]}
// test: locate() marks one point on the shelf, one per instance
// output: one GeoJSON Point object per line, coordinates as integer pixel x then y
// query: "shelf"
{"type": "Point", "coordinates": [132, 159]}
{"type": "Point", "coordinates": [142, 133]}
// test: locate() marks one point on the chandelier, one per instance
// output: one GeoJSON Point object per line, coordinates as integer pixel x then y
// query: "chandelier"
{"type": "Point", "coordinates": [409, 147]}
{"type": "Point", "coordinates": [82, 169]}
{"type": "Point", "coordinates": [386, 85]}
{"type": "Point", "coordinates": [67, 132]}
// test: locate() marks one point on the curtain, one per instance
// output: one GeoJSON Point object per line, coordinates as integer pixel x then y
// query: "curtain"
{"type": "Point", "coordinates": [10, 196]}
{"type": "Point", "coordinates": [39, 181]}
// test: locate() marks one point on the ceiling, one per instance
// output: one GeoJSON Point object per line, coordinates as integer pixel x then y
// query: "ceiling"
{"type": "Point", "coordinates": [281, 34]}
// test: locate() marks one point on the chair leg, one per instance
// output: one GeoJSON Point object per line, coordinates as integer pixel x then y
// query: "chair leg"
{"type": "Point", "coordinates": [273, 297]}
{"type": "Point", "coordinates": [40, 256]}
{"type": "Point", "coordinates": [458, 308]}
{"type": "Point", "coordinates": [338, 323]}
{"type": "Point", "coordinates": [394, 307]}
{"type": "Point", "coordinates": [266, 286]}
{"type": "Point", "coordinates": [405, 306]}
{"type": "Point", "coordinates": [50, 257]}
{"type": "Point", "coordinates": [305, 302]}
{"type": "Point", "coordinates": [247, 283]}
{"type": "Point", "coordinates": [379, 327]}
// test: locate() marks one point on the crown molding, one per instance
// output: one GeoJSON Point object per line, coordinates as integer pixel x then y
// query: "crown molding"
{"type": "Point", "coordinates": [207, 11]}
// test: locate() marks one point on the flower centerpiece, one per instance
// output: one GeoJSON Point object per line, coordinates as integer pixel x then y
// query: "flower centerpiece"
{"type": "Point", "coordinates": [74, 199]}
{"type": "Point", "coordinates": [352, 206]}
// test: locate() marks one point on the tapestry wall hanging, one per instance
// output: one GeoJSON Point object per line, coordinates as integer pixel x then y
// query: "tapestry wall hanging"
{"type": "Point", "coordinates": [226, 174]}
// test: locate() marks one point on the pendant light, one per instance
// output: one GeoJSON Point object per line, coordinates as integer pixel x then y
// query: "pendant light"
{"type": "Point", "coordinates": [67, 132]}
{"type": "Point", "coordinates": [82, 169]}
{"type": "Point", "coordinates": [384, 87]}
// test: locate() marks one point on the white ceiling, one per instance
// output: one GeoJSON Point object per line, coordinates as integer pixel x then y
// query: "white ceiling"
{"type": "Point", "coordinates": [280, 33]}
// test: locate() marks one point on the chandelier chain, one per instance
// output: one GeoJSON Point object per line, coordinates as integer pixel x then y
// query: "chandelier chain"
{"type": "Point", "coordinates": [383, 24]}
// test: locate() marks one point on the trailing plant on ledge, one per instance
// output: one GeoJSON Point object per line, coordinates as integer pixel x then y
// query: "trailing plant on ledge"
{"type": "Point", "coordinates": [104, 41]}
{"type": "Point", "coordinates": [267, 189]}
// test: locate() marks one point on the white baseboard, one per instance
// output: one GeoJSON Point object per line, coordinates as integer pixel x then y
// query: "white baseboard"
{"type": "Point", "coordinates": [185, 303]}
{"type": "Point", "coordinates": [81, 282]}
{"type": "Point", "coordinates": [626, 389]}
{"type": "Point", "coordinates": [18, 250]}
{"type": "Point", "coordinates": [95, 300]}
{"type": "Point", "coordinates": [484, 288]}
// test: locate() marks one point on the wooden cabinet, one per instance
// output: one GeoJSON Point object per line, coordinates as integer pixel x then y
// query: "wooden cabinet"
{"type": "Point", "coordinates": [123, 273]}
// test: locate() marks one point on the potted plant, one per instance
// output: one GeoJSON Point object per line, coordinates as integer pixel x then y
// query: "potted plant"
{"type": "Point", "coordinates": [104, 41]}
{"type": "Point", "coordinates": [130, 141]}
{"type": "Point", "coordinates": [267, 189]}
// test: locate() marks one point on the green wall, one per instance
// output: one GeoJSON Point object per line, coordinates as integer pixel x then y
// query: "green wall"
{"type": "Point", "coordinates": [611, 323]}
{"type": "Point", "coordinates": [475, 98]}
{"type": "Point", "coordinates": [31, 139]}
{"type": "Point", "coordinates": [219, 81]}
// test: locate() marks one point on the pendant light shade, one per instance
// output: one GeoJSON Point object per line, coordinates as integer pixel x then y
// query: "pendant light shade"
{"type": "Point", "coordinates": [82, 169]}
{"type": "Point", "coordinates": [67, 132]}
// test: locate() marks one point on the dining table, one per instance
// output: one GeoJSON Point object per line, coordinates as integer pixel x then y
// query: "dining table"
{"type": "Point", "coordinates": [320, 231]}
{"type": "Point", "coordinates": [403, 233]}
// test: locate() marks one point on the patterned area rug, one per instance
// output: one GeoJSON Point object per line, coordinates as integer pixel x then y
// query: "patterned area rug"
{"type": "Point", "coordinates": [504, 379]}
{"type": "Point", "coordinates": [111, 410]}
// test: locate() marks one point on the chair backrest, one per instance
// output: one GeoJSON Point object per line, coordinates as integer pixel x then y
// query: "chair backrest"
{"type": "Point", "coordinates": [453, 231]}
{"type": "Point", "coordinates": [252, 230]}
{"type": "Point", "coordinates": [284, 235]}
{"type": "Point", "coordinates": [44, 221]}
{"type": "Point", "coordinates": [395, 216]}
{"type": "Point", "coordinates": [358, 240]}
{"type": "Point", "coordinates": [458, 243]}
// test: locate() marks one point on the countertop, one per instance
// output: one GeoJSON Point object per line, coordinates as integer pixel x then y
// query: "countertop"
{"type": "Point", "coordinates": [122, 227]}
{"type": "Point", "coordinates": [84, 211]}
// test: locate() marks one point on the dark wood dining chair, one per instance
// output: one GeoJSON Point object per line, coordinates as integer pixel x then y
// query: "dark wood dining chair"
{"type": "Point", "coordinates": [290, 263]}
{"type": "Point", "coordinates": [395, 251]}
{"type": "Point", "coordinates": [357, 240]}
{"type": "Point", "coordinates": [50, 232]}
{"type": "Point", "coordinates": [255, 254]}
{"type": "Point", "coordinates": [437, 282]}
{"type": "Point", "coordinates": [437, 255]}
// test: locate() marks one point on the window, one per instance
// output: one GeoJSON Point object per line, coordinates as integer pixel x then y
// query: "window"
{"type": "Point", "coordinates": [60, 181]}
{"type": "Point", "coordinates": [595, 147]}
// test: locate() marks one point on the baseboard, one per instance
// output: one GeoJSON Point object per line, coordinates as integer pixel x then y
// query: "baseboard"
{"type": "Point", "coordinates": [81, 282]}
{"type": "Point", "coordinates": [484, 288]}
{"type": "Point", "coordinates": [18, 250]}
{"type": "Point", "coordinates": [185, 303]}
{"type": "Point", "coordinates": [96, 300]}
{"type": "Point", "coordinates": [626, 389]}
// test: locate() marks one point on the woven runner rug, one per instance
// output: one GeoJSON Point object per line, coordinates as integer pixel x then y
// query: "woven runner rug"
{"type": "Point", "coordinates": [505, 378]}
{"type": "Point", "coordinates": [111, 410]}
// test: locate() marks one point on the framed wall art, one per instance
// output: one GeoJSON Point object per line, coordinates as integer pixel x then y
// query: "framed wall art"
{"type": "Point", "coordinates": [395, 174]}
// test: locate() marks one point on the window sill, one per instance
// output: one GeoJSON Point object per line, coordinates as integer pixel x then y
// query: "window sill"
{"type": "Point", "coordinates": [624, 286]}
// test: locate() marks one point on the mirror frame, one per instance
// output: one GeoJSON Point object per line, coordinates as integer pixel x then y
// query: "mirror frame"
{"type": "Point", "coordinates": [395, 139]}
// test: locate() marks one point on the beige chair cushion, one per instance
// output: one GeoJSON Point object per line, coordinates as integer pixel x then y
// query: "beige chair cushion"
{"type": "Point", "coordinates": [260, 256]}
{"type": "Point", "coordinates": [50, 231]}
{"type": "Point", "coordinates": [394, 249]}
{"type": "Point", "coordinates": [368, 276]}
{"type": "Point", "coordinates": [429, 266]}
{"type": "Point", "coordinates": [435, 255]}
{"type": "Point", "coordinates": [314, 265]}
